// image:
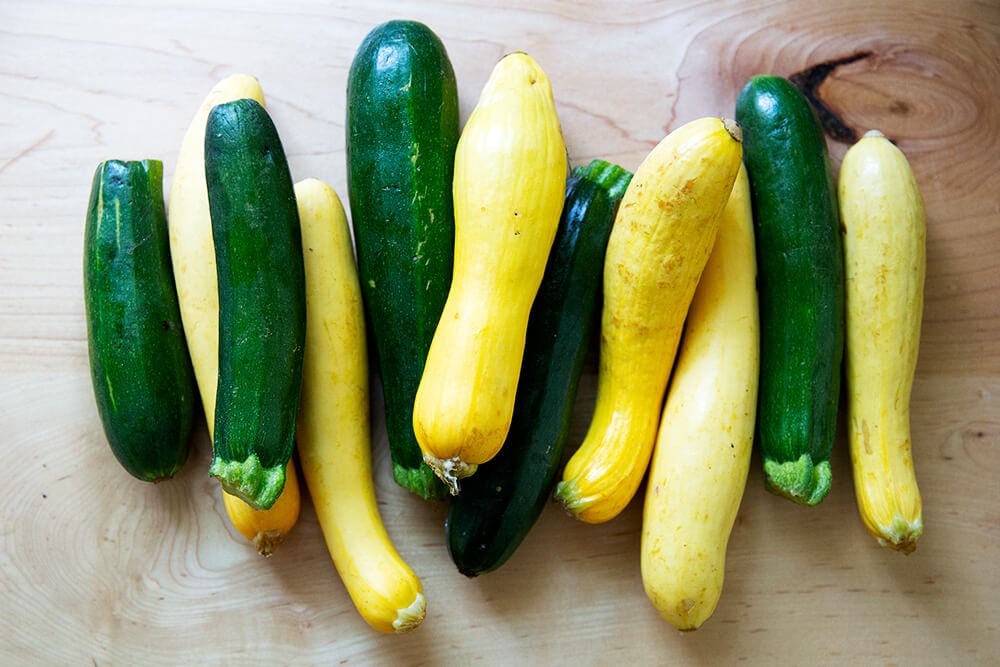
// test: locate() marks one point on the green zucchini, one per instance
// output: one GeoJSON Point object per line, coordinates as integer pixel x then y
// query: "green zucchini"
{"type": "Point", "coordinates": [502, 501]}
{"type": "Point", "coordinates": [801, 286]}
{"type": "Point", "coordinates": [139, 363]}
{"type": "Point", "coordinates": [258, 256]}
{"type": "Point", "coordinates": [402, 129]}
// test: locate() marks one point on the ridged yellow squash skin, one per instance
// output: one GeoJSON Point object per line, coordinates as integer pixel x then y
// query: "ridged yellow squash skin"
{"type": "Point", "coordinates": [699, 467]}
{"type": "Point", "coordinates": [334, 432]}
{"type": "Point", "coordinates": [509, 184]}
{"type": "Point", "coordinates": [660, 241]}
{"type": "Point", "coordinates": [884, 249]}
{"type": "Point", "coordinates": [193, 257]}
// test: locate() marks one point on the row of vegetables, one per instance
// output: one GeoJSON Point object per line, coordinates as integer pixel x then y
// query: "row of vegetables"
{"type": "Point", "coordinates": [728, 281]}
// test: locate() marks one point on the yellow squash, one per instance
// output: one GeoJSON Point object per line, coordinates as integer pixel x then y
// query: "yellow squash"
{"type": "Point", "coordinates": [334, 437]}
{"type": "Point", "coordinates": [661, 239]}
{"type": "Point", "coordinates": [509, 184]}
{"type": "Point", "coordinates": [193, 256]}
{"type": "Point", "coordinates": [884, 250]}
{"type": "Point", "coordinates": [266, 528]}
{"type": "Point", "coordinates": [702, 455]}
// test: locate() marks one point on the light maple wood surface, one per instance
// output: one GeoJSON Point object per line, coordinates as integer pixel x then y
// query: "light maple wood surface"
{"type": "Point", "coordinates": [97, 568]}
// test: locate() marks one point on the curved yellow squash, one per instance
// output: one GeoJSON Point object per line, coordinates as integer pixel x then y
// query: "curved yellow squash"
{"type": "Point", "coordinates": [702, 455]}
{"type": "Point", "coordinates": [884, 249]}
{"type": "Point", "coordinates": [509, 185]}
{"type": "Point", "coordinates": [334, 437]}
{"type": "Point", "coordinates": [193, 257]}
{"type": "Point", "coordinates": [661, 239]}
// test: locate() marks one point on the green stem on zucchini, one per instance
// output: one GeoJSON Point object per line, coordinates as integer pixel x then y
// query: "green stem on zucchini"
{"type": "Point", "coordinates": [800, 480]}
{"type": "Point", "coordinates": [249, 481]}
{"type": "Point", "coordinates": [610, 177]}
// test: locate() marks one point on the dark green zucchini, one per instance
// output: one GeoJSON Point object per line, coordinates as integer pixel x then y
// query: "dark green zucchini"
{"type": "Point", "coordinates": [139, 362]}
{"type": "Point", "coordinates": [402, 128]}
{"type": "Point", "coordinates": [501, 502]}
{"type": "Point", "coordinates": [262, 308]}
{"type": "Point", "coordinates": [801, 286]}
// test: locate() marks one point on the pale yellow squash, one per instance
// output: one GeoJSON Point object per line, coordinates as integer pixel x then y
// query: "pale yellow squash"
{"type": "Point", "coordinates": [193, 256]}
{"type": "Point", "coordinates": [661, 239]}
{"type": "Point", "coordinates": [884, 250]}
{"type": "Point", "coordinates": [509, 185]}
{"type": "Point", "coordinates": [334, 432]}
{"type": "Point", "coordinates": [699, 467]}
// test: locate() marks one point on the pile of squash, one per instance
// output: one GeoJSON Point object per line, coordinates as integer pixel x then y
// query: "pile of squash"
{"type": "Point", "coordinates": [729, 280]}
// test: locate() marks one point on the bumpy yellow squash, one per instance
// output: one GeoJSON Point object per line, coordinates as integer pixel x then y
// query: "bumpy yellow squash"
{"type": "Point", "coordinates": [661, 239]}
{"type": "Point", "coordinates": [193, 257]}
{"type": "Point", "coordinates": [334, 437]}
{"type": "Point", "coordinates": [509, 184]}
{"type": "Point", "coordinates": [884, 250]}
{"type": "Point", "coordinates": [702, 455]}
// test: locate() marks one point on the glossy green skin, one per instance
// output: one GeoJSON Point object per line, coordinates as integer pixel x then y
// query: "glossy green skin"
{"type": "Point", "coordinates": [402, 129]}
{"type": "Point", "coordinates": [262, 307]}
{"type": "Point", "coordinates": [499, 505]}
{"type": "Point", "coordinates": [801, 286]}
{"type": "Point", "coordinates": [139, 363]}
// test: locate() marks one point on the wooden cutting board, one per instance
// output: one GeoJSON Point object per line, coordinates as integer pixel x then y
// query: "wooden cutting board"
{"type": "Point", "coordinates": [97, 568]}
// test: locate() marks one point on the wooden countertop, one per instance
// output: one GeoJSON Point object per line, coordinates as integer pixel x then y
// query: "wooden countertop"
{"type": "Point", "coordinates": [96, 568]}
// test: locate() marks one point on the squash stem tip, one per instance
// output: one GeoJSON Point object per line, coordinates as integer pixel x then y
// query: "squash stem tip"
{"type": "Point", "coordinates": [568, 495]}
{"type": "Point", "coordinates": [612, 177]}
{"type": "Point", "coordinates": [901, 535]}
{"type": "Point", "coordinates": [250, 481]}
{"type": "Point", "coordinates": [266, 540]}
{"type": "Point", "coordinates": [800, 480]}
{"type": "Point", "coordinates": [450, 470]}
{"type": "Point", "coordinates": [410, 617]}
{"type": "Point", "coordinates": [733, 128]}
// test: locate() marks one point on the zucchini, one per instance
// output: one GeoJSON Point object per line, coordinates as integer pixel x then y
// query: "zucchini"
{"type": "Point", "coordinates": [139, 363]}
{"type": "Point", "coordinates": [258, 256]}
{"type": "Point", "coordinates": [801, 286]}
{"type": "Point", "coordinates": [660, 241]}
{"type": "Point", "coordinates": [509, 186]}
{"type": "Point", "coordinates": [193, 256]}
{"type": "Point", "coordinates": [501, 502]}
{"type": "Point", "coordinates": [402, 128]}
{"type": "Point", "coordinates": [885, 255]}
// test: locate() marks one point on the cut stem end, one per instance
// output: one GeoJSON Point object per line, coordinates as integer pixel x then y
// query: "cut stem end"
{"type": "Point", "coordinates": [799, 481]}
{"type": "Point", "coordinates": [409, 618]}
{"type": "Point", "coordinates": [901, 535]}
{"type": "Point", "coordinates": [450, 470]}
{"type": "Point", "coordinates": [733, 128]}
{"type": "Point", "coordinates": [249, 481]}
{"type": "Point", "coordinates": [567, 494]}
{"type": "Point", "coordinates": [266, 540]}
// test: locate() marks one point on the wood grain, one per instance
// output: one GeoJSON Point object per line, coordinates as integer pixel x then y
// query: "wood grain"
{"type": "Point", "coordinates": [97, 568]}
